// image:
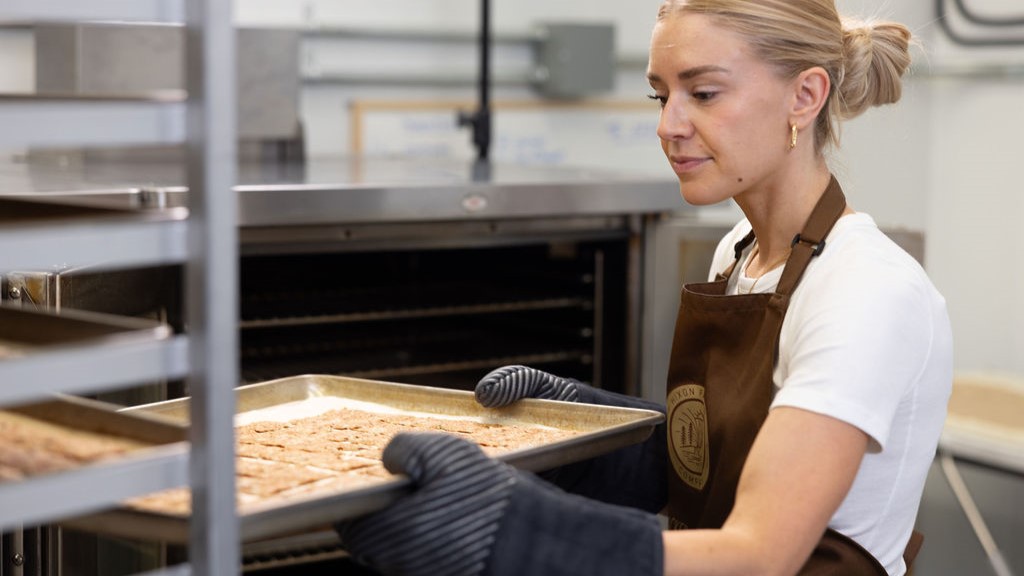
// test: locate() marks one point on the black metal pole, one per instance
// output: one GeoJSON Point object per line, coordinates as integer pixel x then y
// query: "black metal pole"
{"type": "Point", "coordinates": [480, 120]}
{"type": "Point", "coordinates": [483, 125]}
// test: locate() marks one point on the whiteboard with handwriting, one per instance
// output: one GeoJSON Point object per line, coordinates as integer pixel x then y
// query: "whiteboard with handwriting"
{"type": "Point", "coordinates": [604, 137]}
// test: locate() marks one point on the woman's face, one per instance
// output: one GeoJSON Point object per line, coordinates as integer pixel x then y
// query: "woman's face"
{"type": "Point", "coordinates": [724, 124]}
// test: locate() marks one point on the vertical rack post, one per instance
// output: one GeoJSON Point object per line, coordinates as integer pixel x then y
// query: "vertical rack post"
{"type": "Point", "coordinates": [211, 284]}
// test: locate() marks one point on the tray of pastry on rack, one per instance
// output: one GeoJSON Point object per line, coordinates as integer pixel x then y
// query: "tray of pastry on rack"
{"type": "Point", "coordinates": [65, 433]}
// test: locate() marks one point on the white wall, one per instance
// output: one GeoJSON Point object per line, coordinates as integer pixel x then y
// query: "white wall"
{"type": "Point", "coordinates": [974, 198]}
{"type": "Point", "coordinates": [976, 207]}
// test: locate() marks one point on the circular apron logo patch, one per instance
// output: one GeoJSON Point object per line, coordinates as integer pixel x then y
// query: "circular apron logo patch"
{"type": "Point", "coordinates": [688, 434]}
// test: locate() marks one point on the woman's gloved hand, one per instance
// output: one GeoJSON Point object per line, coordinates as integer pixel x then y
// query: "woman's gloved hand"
{"type": "Point", "coordinates": [470, 515]}
{"type": "Point", "coordinates": [634, 476]}
{"type": "Point", "coordinates": [509, 384]}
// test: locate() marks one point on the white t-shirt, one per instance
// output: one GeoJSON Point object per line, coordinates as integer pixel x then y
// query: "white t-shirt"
{"type": "Point", "coordinates": [866, 340]}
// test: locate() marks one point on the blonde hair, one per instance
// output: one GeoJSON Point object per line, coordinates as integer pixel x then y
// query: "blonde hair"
{"type": "Point", "coordinates": [865, 60]}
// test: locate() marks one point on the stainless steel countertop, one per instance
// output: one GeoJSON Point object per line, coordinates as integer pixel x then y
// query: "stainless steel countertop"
{"type": "Point", "coordinates": [350, 190]}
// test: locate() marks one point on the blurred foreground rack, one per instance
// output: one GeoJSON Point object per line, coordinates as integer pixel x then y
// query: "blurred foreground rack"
{"type": "Point", "coordinates": [45, 353]}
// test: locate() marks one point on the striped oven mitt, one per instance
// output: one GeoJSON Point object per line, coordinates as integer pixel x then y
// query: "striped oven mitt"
{"type": "Point", "coordinates": [634, 476]}
{"type": "Point", "coordinates": [470, 515]}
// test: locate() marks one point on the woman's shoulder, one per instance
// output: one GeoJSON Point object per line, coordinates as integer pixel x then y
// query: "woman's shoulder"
{"type": "Point", "coordinates": [857, 247]}
{"type": "Point", "coordinates": [863, 265]}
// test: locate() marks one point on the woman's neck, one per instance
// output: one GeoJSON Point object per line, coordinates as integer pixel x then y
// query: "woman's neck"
{"type": "Point", "coordinates": [778, 212]}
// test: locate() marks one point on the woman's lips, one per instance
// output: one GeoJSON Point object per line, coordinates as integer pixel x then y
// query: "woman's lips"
{"type": "Point", "coordinates": [683, 164]}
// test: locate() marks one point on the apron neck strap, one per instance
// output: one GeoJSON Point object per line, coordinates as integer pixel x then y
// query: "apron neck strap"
{"type": "Point", "coordinates": [811, 241]}
{"type": "Point", "coordinates": [738, 249]}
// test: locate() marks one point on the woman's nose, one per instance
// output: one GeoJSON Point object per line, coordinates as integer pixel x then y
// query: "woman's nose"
{"type": "Point", "coordinates": [674, 123]}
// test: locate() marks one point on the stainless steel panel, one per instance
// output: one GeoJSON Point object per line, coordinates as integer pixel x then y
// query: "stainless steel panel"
{"type": "Point", "coordinates": [108, 58]}
{"type": "Point", "coordinates": [602, 429]}
{"type": "Point", "coordinates": [52, 46]}
{"type": "Point", "coordinates": [575, 60]}
{"type": "Point", "coordinates": [268, 83]}
{"type": "Point", "coordinates": [355, 190]}
{"type": "Point", "coordinates": [120, 58]}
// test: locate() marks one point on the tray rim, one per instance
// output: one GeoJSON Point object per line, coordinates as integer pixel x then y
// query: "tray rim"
{"type": "Point", "coordinates": [90, 211]}
{"type": "Point", "coordinates": [416, 389]}
{"type": "Point", "coordinates": [122, 329]}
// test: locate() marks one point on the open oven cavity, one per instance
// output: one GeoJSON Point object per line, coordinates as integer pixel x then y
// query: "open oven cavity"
{"type": "Point", "coordinates": [441, 317]}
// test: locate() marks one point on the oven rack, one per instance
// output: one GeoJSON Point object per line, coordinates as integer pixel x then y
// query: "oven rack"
{"type": "Point", "coordinates": [462, 334]}
{"type": "Point", "coordinates": [417, 372]}
{"type": "Point", "coordinates": [481, 365]}
{"type": "Point", "coordinates": [417, 313]}
{"type": "Point", "coordinates": [291, 551]}
{"type": "Point", "coordinates": [422, 345]}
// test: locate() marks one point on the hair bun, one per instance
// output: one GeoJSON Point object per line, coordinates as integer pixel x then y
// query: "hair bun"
{"type": "Point", "coordinates": [875, 55]}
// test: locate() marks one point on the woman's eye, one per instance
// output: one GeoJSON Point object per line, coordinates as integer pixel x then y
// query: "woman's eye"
{"type": "Point", "coordinates": [704, 95]}
{"type": "Point", "coordinates": [660, 99]}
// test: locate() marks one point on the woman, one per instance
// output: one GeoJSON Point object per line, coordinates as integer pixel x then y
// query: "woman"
{"type": "Point", "coordinates": [808, 382]}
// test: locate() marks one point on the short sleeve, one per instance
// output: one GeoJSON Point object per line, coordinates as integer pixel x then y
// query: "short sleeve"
{"type": "Point", "coordinates": [856, 340]}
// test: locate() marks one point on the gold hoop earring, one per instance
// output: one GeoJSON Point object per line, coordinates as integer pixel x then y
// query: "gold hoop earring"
{"type": "Point", "coordinates": [793, 134]}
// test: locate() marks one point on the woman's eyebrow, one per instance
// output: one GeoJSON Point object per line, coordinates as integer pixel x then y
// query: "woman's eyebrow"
{"type": "Point", "coordinates": [701, 70]}
{"type": "Point", "coordinates": [691, 73]}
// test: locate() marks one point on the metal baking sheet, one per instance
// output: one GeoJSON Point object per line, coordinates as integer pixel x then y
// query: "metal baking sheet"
{"type": "Point", "coordinates": [103, 418]}
{"type": "Point", "coordinates": [602, 429]}
{"type": "Point", "coordinates": [23, 211]}
{"type": "Point", "coordinates": [84, 415]}
{"type": "Point", "coordinates": [23, 331]}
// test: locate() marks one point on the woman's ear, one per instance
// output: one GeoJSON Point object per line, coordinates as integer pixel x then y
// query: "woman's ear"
{"type": "Point", "coordinates": [811, 88]}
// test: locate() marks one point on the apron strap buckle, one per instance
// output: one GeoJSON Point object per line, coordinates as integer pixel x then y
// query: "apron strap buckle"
{"type": "Point", "coordinates": [818, 246]}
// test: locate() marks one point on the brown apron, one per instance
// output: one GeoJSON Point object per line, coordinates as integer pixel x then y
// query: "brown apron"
{"type": "Point", "coordinates": [720, 387]}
